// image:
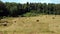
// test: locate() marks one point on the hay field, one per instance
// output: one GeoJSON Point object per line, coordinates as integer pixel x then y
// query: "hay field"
{"type": "Point", "coordinates": [43, 24]}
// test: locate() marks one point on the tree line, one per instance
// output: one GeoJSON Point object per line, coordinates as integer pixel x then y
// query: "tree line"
{"type": "Point", "coordinates": [15, 9]}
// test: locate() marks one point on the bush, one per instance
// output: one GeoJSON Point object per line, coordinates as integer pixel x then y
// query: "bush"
{"type": "Point", "coordinates": [30, 14]}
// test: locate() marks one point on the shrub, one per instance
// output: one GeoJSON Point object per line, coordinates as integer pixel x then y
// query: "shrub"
{"type": "Point", "coordinates": [30, 14]}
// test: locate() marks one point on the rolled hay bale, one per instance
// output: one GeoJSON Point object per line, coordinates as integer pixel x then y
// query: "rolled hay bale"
{"type": "Point", "coordinates": [15, 21]}
{"type": "Point", "coordinates": [53, 17]}
{"type": "Point", "coordinates": [5, 23]}
{"type": "Point", "coordinates": [37, 20]}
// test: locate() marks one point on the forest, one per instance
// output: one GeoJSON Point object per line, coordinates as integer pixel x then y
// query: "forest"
{"type": "Point", "coordinates": [13, 9]}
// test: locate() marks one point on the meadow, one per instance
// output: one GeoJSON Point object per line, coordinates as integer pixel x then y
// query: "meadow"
{"type": "Point", "coordinates": [43, 24]}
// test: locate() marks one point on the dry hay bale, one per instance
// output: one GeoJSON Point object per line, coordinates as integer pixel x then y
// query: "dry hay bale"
{"type": "Point", "coordinates": [46, 16]}
{"type": "Point", "coordinates": [14, 21]}
{"type": "Point", "coordinates": [5, 23]}
{"type": "Point", "coordinates": [53, 17]}
{"type": "Point", "coordinates": [37, 20]}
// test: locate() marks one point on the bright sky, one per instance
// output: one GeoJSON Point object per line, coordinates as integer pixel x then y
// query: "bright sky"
{"type": "Point", "coordinates": [32, 1]}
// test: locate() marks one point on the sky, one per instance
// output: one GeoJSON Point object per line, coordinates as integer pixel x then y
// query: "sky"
{"type": "Point", "coordinates": [33, 1]}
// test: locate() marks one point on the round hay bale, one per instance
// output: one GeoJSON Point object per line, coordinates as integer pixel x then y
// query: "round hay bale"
{"type": "Point", "coordinates": [53, 17]}
{"type": "Point", "coordinates": [5, 23]}
{"type": "Point", "coordinates": [37, 20]}
{"type": "Point", "coordinates": [14, 21]}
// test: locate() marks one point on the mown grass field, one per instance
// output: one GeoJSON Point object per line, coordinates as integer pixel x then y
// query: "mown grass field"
{"type": "Point", "coordinates": [43, 24]}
